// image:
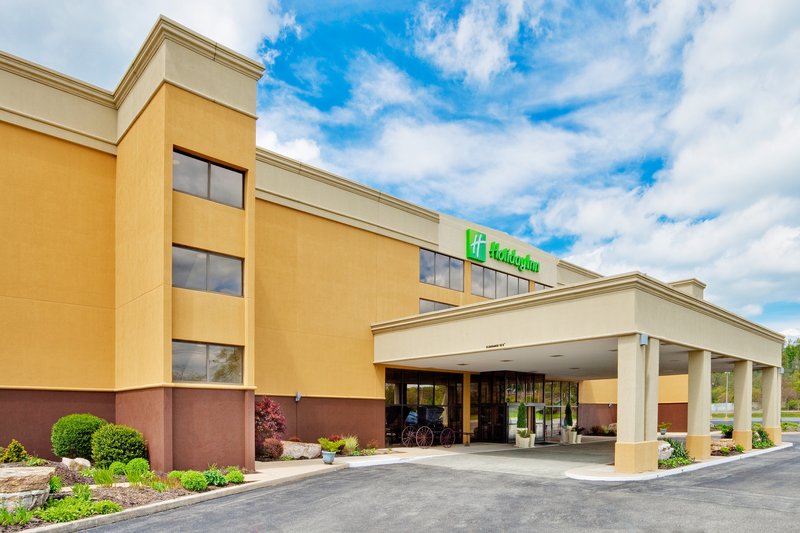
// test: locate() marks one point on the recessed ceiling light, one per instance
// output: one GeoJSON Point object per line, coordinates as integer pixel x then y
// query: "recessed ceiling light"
{"type": "Point", "coordinates": [614, 350]}
{"type": "Point", "coordinates": [558, 355]}
{"type": "Point", "coordinates": [462, 364]}
{"type": "Point", "coordinates": [506, 360]}
{"type": "Point", "coordinates": [574, 368]}
{"type": "Point", "coordinates": [673, 360]}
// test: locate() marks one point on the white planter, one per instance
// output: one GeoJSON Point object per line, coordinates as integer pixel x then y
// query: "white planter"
{"type": "Point", "coordinates": [524, 442]}
{"type": "Point", "coordinates": [578, 439]}
{"type": "Point", "coordinates": [573, 436]}
{"type": "Point", "coordinates": [516, 440]}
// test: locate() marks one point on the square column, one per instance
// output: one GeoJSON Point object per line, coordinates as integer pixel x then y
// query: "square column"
{"type": "Point", "coordinates": [466, 428]}
{"type": "Point", "coordinates": [632, 453]}
{"type": "Point", "coordinates": [771, 402]}
{"type": "Point", "coordinates": [651, 390]}
{"type": "Point", "coordinates": [743, 404]}
{"type": "Point", "coordinates": [698, 437]}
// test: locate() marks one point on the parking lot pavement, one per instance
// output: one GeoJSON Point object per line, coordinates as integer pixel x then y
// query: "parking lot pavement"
{"type": "Point", "coordinates": [758, 494]}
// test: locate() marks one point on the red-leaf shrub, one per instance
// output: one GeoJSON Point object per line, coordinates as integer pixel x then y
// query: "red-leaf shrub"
{"type": "Point", "coordinates": [334, 437]}
{"type": "Point", "coordinates": [295, 439]}
{"type": "Point", "coordinates": [270, 422]}
{"type": "Point", "coordinates": [272, 448]}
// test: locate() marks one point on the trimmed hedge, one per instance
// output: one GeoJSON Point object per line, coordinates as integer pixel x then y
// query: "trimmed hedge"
{"type": "Point", "coordinates": [194, 481]}
{"type": "Point", "coordinates": [114, 442]}
{"type": "Point", "coordinates": [71, 435]}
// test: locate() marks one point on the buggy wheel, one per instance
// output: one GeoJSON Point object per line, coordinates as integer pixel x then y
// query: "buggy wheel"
{"type": "Point", "coordinates": [409, 436]}
{"type": "Point", "coordinates": [447, 438]}
{"type": "Point", "coordinates": [424, 437]}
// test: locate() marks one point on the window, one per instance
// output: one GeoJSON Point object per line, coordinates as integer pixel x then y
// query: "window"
{"type": "Point", "coordinates": [206, 271]}
{"type": "Point", "coordinates": [540, 286]}
{"type": "Point", "coordinates": [429, 306]}
{"type": "Point", "coordinates": [441, 270]}
{"type": "Point", "coordinates": [207, 180]}
{"type": "Point", "coordinates": [494, 284]}
{"type": "Point", "coordinates": [206, 363]}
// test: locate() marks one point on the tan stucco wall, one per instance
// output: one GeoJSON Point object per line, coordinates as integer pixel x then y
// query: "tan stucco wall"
{"type": "Point", "coordinates": [671, 389]}
{"type": "Point", "coordinates": [319, 286]}
{"type": "Point", "coordinates": [57, 262]}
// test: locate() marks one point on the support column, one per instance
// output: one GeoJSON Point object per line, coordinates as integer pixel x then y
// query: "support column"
{"type": "Point", "coordinates": [698, 437]}
{"type": "Point", "coordinates": [771, 402]}
{"type": "Point", "coordinates": [632, 453]}
{"type": "Point", "coordinates": [465, 410]}
{"type": "Point", "coordinates": [743, 404]}
{"type": "Point", "coordinates": [651, 390]}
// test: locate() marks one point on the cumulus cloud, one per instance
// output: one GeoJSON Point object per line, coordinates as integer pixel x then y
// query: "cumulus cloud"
{"type": "Point", "coordinates": [477, 46]}
{"type": "Point", "coordinates": [95, 40]}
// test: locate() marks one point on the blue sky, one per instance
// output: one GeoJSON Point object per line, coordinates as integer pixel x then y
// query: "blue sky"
{"type": "Point", "coordinates": [662, 137]}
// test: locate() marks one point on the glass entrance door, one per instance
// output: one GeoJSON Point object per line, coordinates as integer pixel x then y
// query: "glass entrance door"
{"type": "Point", "coordinates": [538, 420]}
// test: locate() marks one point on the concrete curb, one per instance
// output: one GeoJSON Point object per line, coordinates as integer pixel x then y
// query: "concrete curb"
{"type": "Point", "coordinates": [392, 461]}
{"type": "Point", "coordinates": [183, 501]}
{"type": "Point", "coordinates": [573, 474]}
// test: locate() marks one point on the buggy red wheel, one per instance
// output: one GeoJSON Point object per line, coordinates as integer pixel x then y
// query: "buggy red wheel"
{"type": "Point", "coordinates": [409, 436]}
{"type": "Point", "coordinates": [447, 438]}
{"type": "Point", "coordinates": [424, 437]}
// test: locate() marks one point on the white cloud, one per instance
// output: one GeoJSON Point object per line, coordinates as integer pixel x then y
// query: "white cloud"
{"type": "Point", "coordinates": [477, 45]}
{"type": "Point", "coordinates": [96, 40]}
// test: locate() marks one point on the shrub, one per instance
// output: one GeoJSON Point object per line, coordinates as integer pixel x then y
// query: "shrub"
{"type": "Point", "coordinates": [19, 517]}
{"type": "Point", "coordinates": [739, 448]}
{"type": "Point", "coordinates": [725, 450]}
{"type": "Point", "coordinates": [158, 486]}
{"type": "Point", "coordinates": [522, 416]}
{"type": "Point", "coordinates": [350, 444]}
{"type": "Point", "coordinates": [678, 450]}
{"type": "Point", "coordinates": [286, 458]}
{"type": "Point", "coordinates": [270, 422]}
{"type": "Point", "coordinates": [14, 453]}
{"type": "Point", "coordinates": [194, 481]}
{"type": "Point", "coordinates": [73, 508]}
{"type": "Point", "coordinates": [329, 445]}
{"type": "Point", "coordinates": [726, 429]}
{"type": "Point", "coordinates": [35, 461]}
{"type": "Point", "coordinates": [138, 465]}
{"type": "Point", "coordinates": [55, 484]}
{"type": "Point", "coordinates": [334, 437]}
{"type": "Point", "coordinates": [214, 477]}
{"type": "Point", "coordinates": [103, 477]}
{"type": "Point", "coordinates": [234, 476]}
{"type": "Point", "coordinates": [82, 491]}
{"type": "Point", "coordinates": [175, 474]}
{"type": "Point", "coordinates": [372, 445]}
{"type": "Point", "coordinates": [117, 468]}
{"type": "Point", "coordinates": [272, 448]}
{"type": "Point", "coordinates": [596, 430]}
{"type": "Point", "coordinates": [790, 426]}
{"type": "Point", "coordinates": [674, 462]}
{"type": "Point", "coordinates": [71, 435]}
{"type": "Point", "coordinates": [114, 442]}
{"type": "Point", "coordinates": [761, 438]}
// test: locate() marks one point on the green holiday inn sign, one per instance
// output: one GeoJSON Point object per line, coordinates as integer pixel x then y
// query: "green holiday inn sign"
{"type": "Point", "coordinates": [476, 250]}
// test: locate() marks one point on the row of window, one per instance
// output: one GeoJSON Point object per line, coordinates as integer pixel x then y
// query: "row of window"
{"type": "Point", "coordinates": [448, 272]}
{"type": "Point", "coordinates": [494, 284]}
{"type": "Point", "coordinates": [207, 180]}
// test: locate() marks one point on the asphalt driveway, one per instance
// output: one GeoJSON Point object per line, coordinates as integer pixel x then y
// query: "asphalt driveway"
{"type": "Point", "coordinates": [757, 494]}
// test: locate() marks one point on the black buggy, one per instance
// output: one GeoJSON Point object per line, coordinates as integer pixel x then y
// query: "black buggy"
{"type": "Point", "coordinates": [423, 429]}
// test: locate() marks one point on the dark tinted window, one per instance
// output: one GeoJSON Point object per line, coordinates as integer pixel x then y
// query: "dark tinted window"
{"type": "Point", "coordinates": [441, 270]}
{"type": "Point", "coordinates": [206, 271]}
{"type": "Point", "coordinates": [207, 180]}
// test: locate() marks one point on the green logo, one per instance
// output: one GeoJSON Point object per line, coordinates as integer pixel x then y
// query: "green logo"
{"type": "Point", "coordinates": [476, 245]}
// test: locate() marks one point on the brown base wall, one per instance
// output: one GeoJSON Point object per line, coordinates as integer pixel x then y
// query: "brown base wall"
{"type": "Point", "coordinates": [29, 415]}
{"type": "Point", "coordinates": [590, 415]}
{"type": "Point", "coordinates": [184, 428]}
{"type": "Point", "coordinates": [311, 418]}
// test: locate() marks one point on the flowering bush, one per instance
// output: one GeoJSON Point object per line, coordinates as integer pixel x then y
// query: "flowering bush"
{"type": "Point", "coordinates": [270, 422]}
{"type": "Point", "coordinates": [272, 448]}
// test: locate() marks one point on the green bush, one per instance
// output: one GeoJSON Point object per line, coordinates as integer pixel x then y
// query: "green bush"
{"type": "Point", "coordinates": [74, 508]}
{"type": "Point", "coordinates": [35, 461]}
{"type": "Point", "coordinates": [234, 476]}
{"type": "Point", "coordinates": [117, 468]}
{"type": "Point", "coordinates": [72, 435]}
{"type": "Point", "coordinates": [14, 453]}
{"type": "Point", "coordinates": [194, 481]}
{"type": "Point", "coordinates": [138, 465]}
{"type": "Point", "coordinates": [739, 448]}
{"type": "Point", "coordinates": [175, 474]}
{"type": "Point", "coordinates": [761, 438]}
{"type": "Point", "coordinates": [19, 517]}
{"type": "Point", "coordinates": [678, 450]}
{"type": "Point", "coordinates": [114, 442]}
{"type": "Point", "coordinates": [726, 429]}
{"type": "Point", "coordinates": [55, 484]}
{"type": "Point", "coordinates": [790, 426]}
{"type": "Point", "coordinates": [214, 477]}
{"type": "Point", "coordinates": [725, 450]}
{"type": "Point", "coordinates": [674, 462]}
{"type": "Point", "coordinates": [81, 491]}
{"type": "Point", "coordinates": [158, 486]}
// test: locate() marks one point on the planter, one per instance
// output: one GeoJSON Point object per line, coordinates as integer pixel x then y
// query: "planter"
{"type": "Point", "coordinates": [663, 431]}
{"type": "Point", "coordinates": [327, 457]}
{"type": "Point", "coordinates": [524, 442]}
{"type": "Point", "coordinates": [578, 438]}
{"type": "Point", "coordinates": [573, 436]}
{"type": "Point", "coordinates": [516, 440]}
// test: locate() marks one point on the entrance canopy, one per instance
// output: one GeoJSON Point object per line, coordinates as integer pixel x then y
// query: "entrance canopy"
{"type": "Point", "coordinates": [572, 332]}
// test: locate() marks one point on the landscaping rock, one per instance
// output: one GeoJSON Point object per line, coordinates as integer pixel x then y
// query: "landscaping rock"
{"type": "Point", "coordinates": [77, 464]}
{"type": "Point", "coordinates": [716, 444]}
{"type": "Point", "coordinates": [25, 486]}
{"type": "Point", "coordinates": [301, 450]}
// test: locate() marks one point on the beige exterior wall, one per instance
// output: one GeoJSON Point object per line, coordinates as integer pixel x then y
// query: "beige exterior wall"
{"type": "Point", "coordinates": [671, 389]}
{"type": "Point", "coordinates": [57, 263]}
